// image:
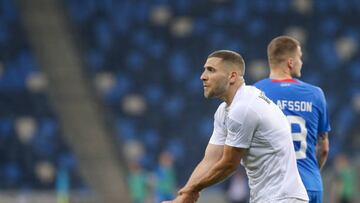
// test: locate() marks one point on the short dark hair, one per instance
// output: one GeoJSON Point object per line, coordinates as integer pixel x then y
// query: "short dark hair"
{"type": "Point", "coordinates": [280, 48]}
{"type": "Point", "coordinates": [230, 56]}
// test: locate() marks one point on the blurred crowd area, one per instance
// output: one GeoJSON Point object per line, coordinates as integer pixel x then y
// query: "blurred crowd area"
{"type": "Point", "coordinates": [33, 153]}
{"type": "Point", "coordinates": [144, 59]}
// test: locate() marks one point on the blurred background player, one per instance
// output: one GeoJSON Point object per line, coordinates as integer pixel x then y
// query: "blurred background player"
{"type": "Point", "coordinates": [306, 110]}
{"type": "Point", "coordinates": [344, 185]}
{"type": "Point", "coordinates": [165, 179]}
{"type": "Point", "coordinates": [138, 182]}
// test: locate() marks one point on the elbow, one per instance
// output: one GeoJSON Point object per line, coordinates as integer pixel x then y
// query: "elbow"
{"type": "Point", "coordinates": [324, 145]}
{"type": "Point", "coordinates": [325, 152]}
{"type": "Point", "coordinates": [233, 168]}
{"type": "Point", "coordinates": [234, 165]}
{"type": "Point", "coordinates": [325, 149]}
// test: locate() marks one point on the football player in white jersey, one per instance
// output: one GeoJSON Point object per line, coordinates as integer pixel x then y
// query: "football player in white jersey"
{"type": "Point", "coordinates": [248, 128]}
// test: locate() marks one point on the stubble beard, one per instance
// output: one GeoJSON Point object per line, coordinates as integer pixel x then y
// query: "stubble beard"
{"type": "Point", "coordinates": [218, 92]}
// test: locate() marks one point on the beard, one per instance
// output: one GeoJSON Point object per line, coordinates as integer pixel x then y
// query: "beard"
{"type": "Point", "coordinates": [217, 91]}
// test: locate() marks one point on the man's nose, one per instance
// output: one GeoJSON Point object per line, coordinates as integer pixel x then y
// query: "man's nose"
{"type": "Point", "coordinates": [202, 76]}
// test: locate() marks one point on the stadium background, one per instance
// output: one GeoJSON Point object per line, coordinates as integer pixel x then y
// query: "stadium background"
{"type": "Point", "coordinates": [100, 99]}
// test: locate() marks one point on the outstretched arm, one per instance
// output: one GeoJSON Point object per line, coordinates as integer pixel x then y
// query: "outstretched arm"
{"type": "Point", "coordinates": [322, 149]}
{"type": "Point", "coordinates": [213, 154]}
{"type": "Point", "coordinates": [220, 171]}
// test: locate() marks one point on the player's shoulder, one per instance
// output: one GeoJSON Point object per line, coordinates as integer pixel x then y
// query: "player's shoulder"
{"type": "Point", "coordinates": [221, 107]}
{"type": "Point", "coordinates": [262, 82]}
{"type": "Point", "coordinates": [311, 87]}
{"type": "Point", "coordinates": [246, 106]}
{"type": "Point", "coordinates": [246, 97]}
{"type": "Point", "coordinates": [247, 92]}
{"type": "Point", "coordinates": [220, 112]}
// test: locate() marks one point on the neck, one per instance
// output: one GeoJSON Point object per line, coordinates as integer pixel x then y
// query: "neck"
{"type": "Point", "coordinates": [228, 98]}
{"type": "Point", "coordinates": [279, 74]}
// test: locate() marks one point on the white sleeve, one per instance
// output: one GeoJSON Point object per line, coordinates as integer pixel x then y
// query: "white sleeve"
{"type": "Point", "coordinates": [242, 125]}
{"type": "Point", "coordinates": [218, 136]}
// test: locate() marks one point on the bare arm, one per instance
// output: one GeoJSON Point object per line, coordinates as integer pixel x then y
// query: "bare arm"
{"type": "Point", "coordinates": [322, 149]}
{"type": "Point", "coordinates": [221, 170]}
{"type": "Point", "coordinates": [213, 154]}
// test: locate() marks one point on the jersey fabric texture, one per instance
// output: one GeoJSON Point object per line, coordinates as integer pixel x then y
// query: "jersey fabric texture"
{"type": "Point", "coordinates": [305, 107]}
{"type": "Point", "coordinates": [255, 123]}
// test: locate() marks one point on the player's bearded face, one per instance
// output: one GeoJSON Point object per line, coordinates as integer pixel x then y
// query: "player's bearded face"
{"type": "Point", "coordinates": [215, 78]}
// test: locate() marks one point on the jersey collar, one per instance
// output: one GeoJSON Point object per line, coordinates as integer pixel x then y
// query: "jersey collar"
{"type": "Point", "coordinates": [285, 80]}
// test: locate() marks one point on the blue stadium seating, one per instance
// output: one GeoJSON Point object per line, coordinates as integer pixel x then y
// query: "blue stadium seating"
{"type": "Point", "coordinates": [25, 149]}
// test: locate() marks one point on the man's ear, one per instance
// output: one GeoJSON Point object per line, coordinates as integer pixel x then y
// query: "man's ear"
{"type": "Point", "coordinates": [291, 63]}
{"type": "Point", "coordinates": [233, 76]}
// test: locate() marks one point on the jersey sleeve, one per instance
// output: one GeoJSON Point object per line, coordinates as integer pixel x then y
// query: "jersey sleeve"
{"type": "Point", "coordinates": [219, 133]}
{"type": "Point", "coordinates": [241, 127]}
{"type": "Point", "coordinates": [324, 125]}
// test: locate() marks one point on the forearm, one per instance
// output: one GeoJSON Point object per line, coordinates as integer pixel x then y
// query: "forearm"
{"type": "Point", "coordinates": [216, 174]}
{"type": "Point", "coordinates": [218, 171]}
{"type": "Point", "coordinates": [213, 153]}
{"type": "Point", "coordinates": [199, 172]}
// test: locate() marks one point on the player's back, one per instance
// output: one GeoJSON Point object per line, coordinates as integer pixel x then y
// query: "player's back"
{"type": "Point", "coordinates": [305, 108]}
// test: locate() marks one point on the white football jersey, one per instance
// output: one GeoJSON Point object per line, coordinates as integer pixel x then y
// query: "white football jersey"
{"type": "Point", "coordinates": [254, 122]}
